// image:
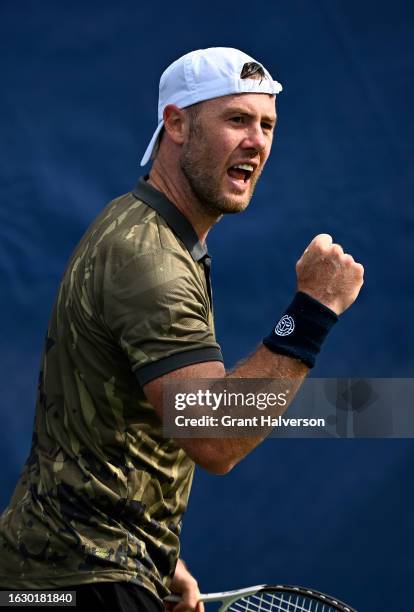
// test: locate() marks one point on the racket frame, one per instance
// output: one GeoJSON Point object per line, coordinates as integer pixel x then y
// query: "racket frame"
{"type": "Point", "coordinates": [229, 597]}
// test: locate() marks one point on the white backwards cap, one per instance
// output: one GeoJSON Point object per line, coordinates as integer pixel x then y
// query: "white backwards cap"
{"type": "Point", "coordinates": [205, 74]}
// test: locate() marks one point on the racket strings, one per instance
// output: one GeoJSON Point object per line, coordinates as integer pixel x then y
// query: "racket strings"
{"type": "Point", "coordinates": [281, 602]}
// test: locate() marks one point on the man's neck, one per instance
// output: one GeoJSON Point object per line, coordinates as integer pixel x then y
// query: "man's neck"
{"type": "Point", "coordinates": [177, 190]}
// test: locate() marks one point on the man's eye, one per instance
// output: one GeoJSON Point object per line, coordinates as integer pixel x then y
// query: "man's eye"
{"type": "Point", "coordinates": [237, 119]}
{"type": "Point", "coordinates": [267, 126]}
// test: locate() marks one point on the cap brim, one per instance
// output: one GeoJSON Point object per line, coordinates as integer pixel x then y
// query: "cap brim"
{"type": "Point", "coordinates": [150, 148]}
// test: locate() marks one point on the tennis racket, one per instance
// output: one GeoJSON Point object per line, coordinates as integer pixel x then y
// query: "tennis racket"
{"type": "Point", "coordinates": [268, 598]}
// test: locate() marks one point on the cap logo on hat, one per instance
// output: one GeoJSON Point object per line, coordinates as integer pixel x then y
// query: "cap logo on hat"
{"type": "Point", "coordinates": [205, 74]}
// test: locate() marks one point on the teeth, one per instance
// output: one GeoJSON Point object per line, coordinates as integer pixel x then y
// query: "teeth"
{"type": "Point", "coordinates": [245, 167]}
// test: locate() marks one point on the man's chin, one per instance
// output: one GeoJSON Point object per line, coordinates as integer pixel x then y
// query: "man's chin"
{"type": "Point", "coordinates": [234, 204]}
{"type": "Point", "coordinates": [226, 203]}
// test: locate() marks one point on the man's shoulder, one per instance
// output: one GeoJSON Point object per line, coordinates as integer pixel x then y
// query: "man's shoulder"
{"type": "Point", "coordinates": [127, 243]}
{"type": "Point", "coordinates": [128, 226]}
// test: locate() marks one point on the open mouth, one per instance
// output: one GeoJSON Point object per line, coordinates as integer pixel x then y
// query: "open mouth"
{"type": "Point", "coordinates": [241, 172]}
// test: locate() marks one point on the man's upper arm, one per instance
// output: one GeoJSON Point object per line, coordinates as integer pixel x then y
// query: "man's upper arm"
{"type": "Point", "coordinates": [157, 308]}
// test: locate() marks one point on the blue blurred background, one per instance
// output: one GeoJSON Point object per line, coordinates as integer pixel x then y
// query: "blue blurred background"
{"type": "Point", "coordinates": [78, 105]}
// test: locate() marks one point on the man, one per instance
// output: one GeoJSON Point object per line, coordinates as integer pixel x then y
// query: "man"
{"type": "Point", "coordinates": [99, 504]}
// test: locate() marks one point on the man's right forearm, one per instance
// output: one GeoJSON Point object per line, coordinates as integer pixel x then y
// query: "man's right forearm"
{"type": "Point", "coordinates": [220, 455]}
{"type": "Point", "coordinates": [265, 364]}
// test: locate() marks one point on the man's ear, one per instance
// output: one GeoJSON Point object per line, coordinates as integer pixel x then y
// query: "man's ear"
{"type": "Point", "coordinates": [175, 123]}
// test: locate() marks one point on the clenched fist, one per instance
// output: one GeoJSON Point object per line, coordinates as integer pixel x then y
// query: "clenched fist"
{"type": "Point", "coordinates": [328, 274]}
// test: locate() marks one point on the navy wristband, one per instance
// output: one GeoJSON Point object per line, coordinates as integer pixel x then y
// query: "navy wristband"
{"type": "Point", "coordinates": [302, 329]}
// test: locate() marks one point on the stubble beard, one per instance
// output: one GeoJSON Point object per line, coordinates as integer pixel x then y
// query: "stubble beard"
{"type": "Point", "coordinates": [204, 180]}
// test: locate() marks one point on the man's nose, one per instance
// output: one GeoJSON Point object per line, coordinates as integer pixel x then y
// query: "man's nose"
{"type": "Point", "coordinates": [255, 139]}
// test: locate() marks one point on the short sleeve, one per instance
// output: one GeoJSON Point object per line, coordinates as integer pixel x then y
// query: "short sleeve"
{"type": "Point", "coordinates": [157, 307]}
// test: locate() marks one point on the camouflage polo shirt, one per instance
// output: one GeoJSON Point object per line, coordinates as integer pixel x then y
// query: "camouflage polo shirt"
{"type": "Point", "coordinates": [102, 493]}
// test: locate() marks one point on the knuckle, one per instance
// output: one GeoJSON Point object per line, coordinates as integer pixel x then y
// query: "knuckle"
{"type": "Point", "coordinates": [322, 239]}
{"type": "Point", "coordinates": [322, 249]}
{"type": "Point", "coordinates": [337, 249]}
{"type": "Point", "coordinates": [348, 259]}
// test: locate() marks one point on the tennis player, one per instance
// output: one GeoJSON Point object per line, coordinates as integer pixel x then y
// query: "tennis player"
{"type": "Point", "coordinates": [99, 504]}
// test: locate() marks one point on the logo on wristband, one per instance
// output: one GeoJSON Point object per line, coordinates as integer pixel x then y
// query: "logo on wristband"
{"type": "Point", "coordinates": [285, 326]}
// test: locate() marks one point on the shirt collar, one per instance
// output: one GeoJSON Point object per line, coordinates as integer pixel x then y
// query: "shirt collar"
{"type": "Point", "coordinates": [174, 217]}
